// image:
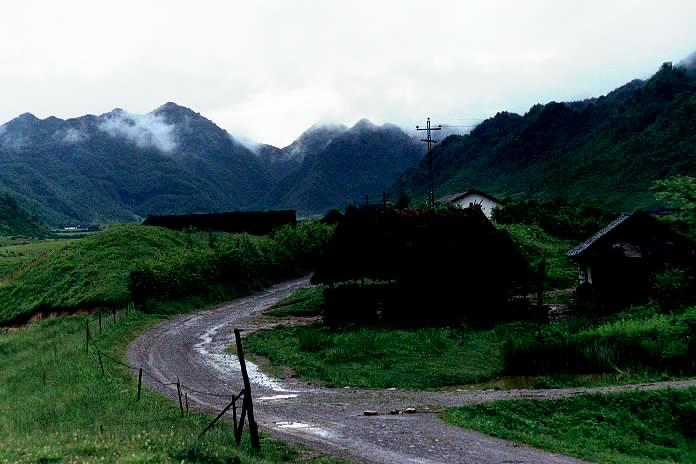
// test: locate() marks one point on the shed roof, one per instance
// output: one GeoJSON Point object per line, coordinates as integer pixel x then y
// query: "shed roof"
{"type": "Point", "coordinates": [451, 198]}
{"type": "Point", "coordinates": [578, 250]}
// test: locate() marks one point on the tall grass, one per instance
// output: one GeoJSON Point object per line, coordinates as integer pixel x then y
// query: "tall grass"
{"type": "Point", "coordinates": [664, 343]}
{"type": "Point", "coordinates": [382, 357]}
{"type": "Point", "coordinates": [625, 428]}
{"type": "Point", "coordinates": [57, 407]}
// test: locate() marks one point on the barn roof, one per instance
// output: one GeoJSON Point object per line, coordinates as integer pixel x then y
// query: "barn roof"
{"type": "Point", "coordinates": [451, 198]}
{"type": "Point", "coordinates": [578, 250]}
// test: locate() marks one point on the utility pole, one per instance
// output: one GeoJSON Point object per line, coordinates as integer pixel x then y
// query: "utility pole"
{"type": "Point", "coordinates": [429, 140]}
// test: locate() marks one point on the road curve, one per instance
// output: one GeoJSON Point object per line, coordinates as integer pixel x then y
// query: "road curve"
{"type": "Point", "coordinates": [192, 348]}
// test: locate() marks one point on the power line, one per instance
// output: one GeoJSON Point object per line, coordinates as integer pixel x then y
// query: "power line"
{"type": "Point", "coordinates": [429, 140]}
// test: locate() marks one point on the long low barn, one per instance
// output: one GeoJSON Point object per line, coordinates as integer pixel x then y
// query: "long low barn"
{"type": "Point", "coordinates": [253, 222]}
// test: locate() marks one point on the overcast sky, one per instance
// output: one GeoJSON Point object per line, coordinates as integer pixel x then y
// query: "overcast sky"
{"type": "Point", "coordinates": [267, 70]}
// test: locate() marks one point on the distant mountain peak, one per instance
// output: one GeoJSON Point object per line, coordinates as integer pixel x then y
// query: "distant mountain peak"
{"type": "Point", "coordinates": [27, 117]}
{"type": "Point", "coordinates": [171, 107]}
{"type": "Point", "coordinates": [364, 123]}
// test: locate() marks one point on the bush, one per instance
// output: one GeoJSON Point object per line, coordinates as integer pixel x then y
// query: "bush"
{"type": "Point", "coordinates": [556, 217]}
{"type": "Point", "coordinates": [663, 342]}
{"type": "Point", "coordinates": [238, 264]}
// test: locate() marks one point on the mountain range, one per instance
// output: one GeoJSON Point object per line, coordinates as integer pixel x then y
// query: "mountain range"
{"type": "Point", "coordinates": [609, 150]}
{"type": "Point", "coordinates": [120, 166]}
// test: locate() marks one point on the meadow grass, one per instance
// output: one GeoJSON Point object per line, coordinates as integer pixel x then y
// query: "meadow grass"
{"type": "Point", "coordinates": [624, 428]}
{"type": "Point", "coordinates": [305, 302]}
{"type": "Point", "coordinates": [636, 346]}
{"type": "Point", "coordinates": [16, 252]}
{"type": "Point", "coordinates": [382, 357]}
{"type": "Point", "coordinates": [57, 406]}
{"type": "Point", "coordinates": [89, 272]}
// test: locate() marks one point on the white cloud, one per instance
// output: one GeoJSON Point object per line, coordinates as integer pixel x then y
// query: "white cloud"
{"type": "Point", "coordinates": [145, 130]}
{"type": "Point", "coordinates": [72, 135]}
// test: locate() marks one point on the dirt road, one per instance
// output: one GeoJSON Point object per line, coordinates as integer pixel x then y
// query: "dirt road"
{"type": "Point", "coordinates": [192, 347]}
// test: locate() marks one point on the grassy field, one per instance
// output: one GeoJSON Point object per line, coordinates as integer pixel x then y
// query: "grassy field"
{"type": "Point", "coordinates": [89, 272]}
{"type": "Point", "coordinates": [151, 266]}
{"type": "Point", "coordinates": [639, 345]}
{"type": "Point", "coordinates": [626, 428]}
{"type": "Point", "coordinates": [57, 407]}
{"type": "Point", "coordinates": [381, 358]}
{"type": "Point", "coordinates": [16, 252]}
{"type": "Point", "coordinates": [305, 302]}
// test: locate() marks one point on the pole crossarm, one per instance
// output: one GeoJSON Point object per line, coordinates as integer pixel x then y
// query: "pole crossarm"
{"type": "Point", "coordinates": [429, 140]}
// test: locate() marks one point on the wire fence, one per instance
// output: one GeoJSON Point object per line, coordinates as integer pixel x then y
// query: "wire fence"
{"type": "Point", "coordinates": [101, 357]}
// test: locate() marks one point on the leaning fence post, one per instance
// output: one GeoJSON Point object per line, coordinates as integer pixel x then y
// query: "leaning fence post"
{"type": "Point", "coordinates": [140, 381]}
{"type": "Point", "coordinates": [247, 405]}
{"type": "Point", "coordinates": [178, 390]}
{"type": "Point", "coordinates": [101, 365]}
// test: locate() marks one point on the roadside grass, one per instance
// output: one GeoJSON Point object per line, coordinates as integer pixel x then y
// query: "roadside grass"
{"type": "Point", "coordinates": [57, 407]}
{"type": "Point", "coordinates": [664, 344]}
{"type": "Point", "coordinates": [305, 302]}
{"type": "Point", "coordinates": [16, 252]}
{"type": "Point", "coordinates": [381, 357]}
{"type": "Point", "coordinates": [624, 428]}
{"type": "Point", "coordinates": [636, 346]}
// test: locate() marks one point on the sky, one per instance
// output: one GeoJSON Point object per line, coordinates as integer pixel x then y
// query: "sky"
{"type": "Point", "coordinates": [268, 70]}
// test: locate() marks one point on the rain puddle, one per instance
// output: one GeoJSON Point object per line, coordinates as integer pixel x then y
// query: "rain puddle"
{"type": "Point", "coordinates": [214, 354]}
{"type": "Point", "coordinates": [314, 430]}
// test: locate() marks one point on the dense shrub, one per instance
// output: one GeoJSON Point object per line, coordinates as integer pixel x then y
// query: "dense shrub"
{"type": "Point", "coordinates": [557, 217]}
{"type": "Point", "coordinates": [236, 265]}
{"type": "Point", "coordinates": [666, 343]}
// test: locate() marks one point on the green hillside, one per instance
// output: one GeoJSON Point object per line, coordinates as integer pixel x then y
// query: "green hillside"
{"type": "Point", "coordinates": [610, 149]}
{"type": "Point", "coordinates": [15, 221]}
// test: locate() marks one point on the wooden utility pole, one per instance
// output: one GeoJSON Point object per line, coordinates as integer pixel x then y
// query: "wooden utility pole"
{"type": "Point", "coordinates": [429, 140]}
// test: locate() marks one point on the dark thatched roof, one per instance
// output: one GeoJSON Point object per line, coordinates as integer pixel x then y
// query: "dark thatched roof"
{"type": "Point", "coordinates": [460, 250]}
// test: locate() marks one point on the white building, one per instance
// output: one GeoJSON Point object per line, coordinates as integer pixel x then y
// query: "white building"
{"type": "Point", "coordinates": [470, 198]}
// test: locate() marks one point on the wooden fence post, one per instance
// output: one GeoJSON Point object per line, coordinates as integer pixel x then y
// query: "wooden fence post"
{"type": "Point", "coordinates": [178, 390]}
{"type": "Point", "coordinates": [140, 381]}
{"type": "Point", "coordinates": [247, 405]}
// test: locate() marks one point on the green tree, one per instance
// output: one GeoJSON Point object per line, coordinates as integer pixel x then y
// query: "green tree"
{"type": "Point", "coordinates": [679, 192]}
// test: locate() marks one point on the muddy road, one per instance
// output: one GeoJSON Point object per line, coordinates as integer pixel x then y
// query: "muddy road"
{"type": "Point", "coordinates": [193, 346]}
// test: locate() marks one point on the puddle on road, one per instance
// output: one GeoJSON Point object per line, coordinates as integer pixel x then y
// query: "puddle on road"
{"type": "Point", "coordinates": [276, 397]}
{"type": "Point", "coordinates": [214, 354]}
{"type": "Point", "coordinates": [314, 430]}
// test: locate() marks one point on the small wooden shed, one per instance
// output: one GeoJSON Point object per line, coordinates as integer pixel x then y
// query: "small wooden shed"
{"type": "Point", "coordinates": [617, 263]}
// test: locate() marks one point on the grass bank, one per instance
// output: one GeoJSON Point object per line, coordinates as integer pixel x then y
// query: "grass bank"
{"type": "Point", "coordinates": [626, 428]}
{"type": "Point", "coordinates": [16, 252]}
{"type": "Point", "coordinates": [639, 345]}
{"type": "Point", "coordinates": [382, 358]}
{"type": "Point", "coordinates": [152, 266]}
{"type": "Point", "coordinates": [57, 406]}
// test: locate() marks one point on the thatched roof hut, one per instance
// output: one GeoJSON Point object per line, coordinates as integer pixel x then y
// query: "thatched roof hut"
{"type": "Point", "coordinates": [451, 262]}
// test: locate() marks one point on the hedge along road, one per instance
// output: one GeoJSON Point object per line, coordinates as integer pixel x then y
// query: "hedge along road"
{"type": "Point", "coordinates": [192, 348]}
